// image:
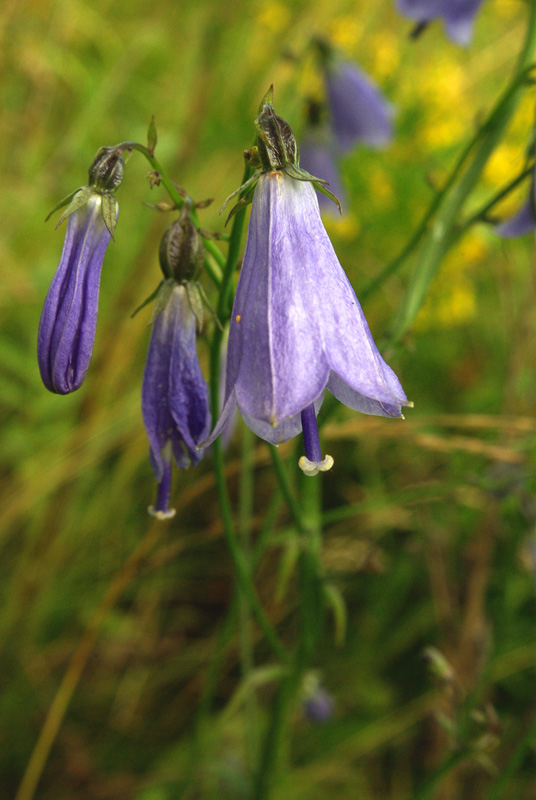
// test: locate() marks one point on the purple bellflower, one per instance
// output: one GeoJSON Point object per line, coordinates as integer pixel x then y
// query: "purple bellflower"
{"type": "Point", "coordinates": [175, 402]}
{"type": "Point", "coordinates": [297, 327]}
{"type": "Point", "coordinates": [458, 15]}
{"type": "Point", "coordinates": [69, 317]}
{"type": "Point", "coordinates": [359, 111]}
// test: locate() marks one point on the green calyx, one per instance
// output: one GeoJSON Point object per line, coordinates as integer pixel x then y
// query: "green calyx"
{"type": "Point", "coordinates": [276, 150]}
{"type": "Point", "coordinates": [80, 198]}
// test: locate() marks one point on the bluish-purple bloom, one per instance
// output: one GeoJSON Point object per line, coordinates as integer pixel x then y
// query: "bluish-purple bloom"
{"type": "Point", "coordinates": [69, 317]}
{"type": "Point", "coordinates": [175, 403]}
{"type": "Point", "coordinates": [458, 15]}
{"type": "Point", "coordinates": [359, 111]}
{"type": "Point", "coordinates": [297, 327]}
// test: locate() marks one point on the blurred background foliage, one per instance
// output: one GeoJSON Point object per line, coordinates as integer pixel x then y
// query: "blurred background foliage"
{"type": "Point", "coordinates": [110, 622]}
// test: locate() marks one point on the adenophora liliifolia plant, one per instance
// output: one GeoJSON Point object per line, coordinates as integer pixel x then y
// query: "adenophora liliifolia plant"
{"type": "Point", "coordinates": [296, 327]}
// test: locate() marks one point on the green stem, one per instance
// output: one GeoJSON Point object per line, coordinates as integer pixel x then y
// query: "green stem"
{"type": "Point", "coordinates": [245, 512]}
{"type": "Point", "coordinates": [286, 490]}
{"type": "Point", "coordinates": [438, 239]}
{"type": "Point", "coordinates": [481, 214]}
{"type": "Point", "coordinates": [214, 271]}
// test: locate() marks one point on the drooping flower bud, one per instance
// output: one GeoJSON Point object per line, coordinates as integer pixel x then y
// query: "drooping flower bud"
{"type": "Point", "coordinates": [107, 170]}
{"type": "Point", "coordinates": [276, 141]}
{"type": "Point", "coordinates": [181, 251]}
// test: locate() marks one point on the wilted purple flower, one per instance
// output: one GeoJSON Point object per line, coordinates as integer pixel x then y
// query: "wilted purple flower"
{"type": "Point", "coordinates": [175, 402]}
{"type": "Point", "coordinates": [359, 111]}
{"type": "Point", "coordinates": [521, 223]}
{"type": "Point", "coordinates": [458, 15]}
{"type": "Point", "coordinates": [297, 327]}
{"type": "Point", "coordinates": [69, 316]}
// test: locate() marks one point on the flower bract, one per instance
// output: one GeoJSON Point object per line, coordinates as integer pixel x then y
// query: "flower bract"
{"type": "Point", "coordinates": [175, 403]}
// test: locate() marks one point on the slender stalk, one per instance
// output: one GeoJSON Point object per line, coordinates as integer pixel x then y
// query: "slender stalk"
{"type": "Point", "coordinates": [245, 512]}
{"type": "Point", "coordinates": [439, 236]}
{"type": "Point", "coordinates": [210, 247]}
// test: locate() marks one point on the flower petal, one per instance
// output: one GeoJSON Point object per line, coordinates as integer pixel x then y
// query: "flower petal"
{"type": "Point", "coordinates": [174, 393]}
{"type": "Point", "coordinates": [275, 362]}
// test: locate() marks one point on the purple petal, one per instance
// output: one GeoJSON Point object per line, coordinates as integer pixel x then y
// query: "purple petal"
{"type": "Point", "coordinates": [360, 113]}
{"type": "Point", "coordinates": [69, 317]}
{"type": "Point", "coordinates": [275, 361]}
{"type": "Point", "coordinates": [174, 393]}
{"type": "Point", "coordinates": [521, 223]}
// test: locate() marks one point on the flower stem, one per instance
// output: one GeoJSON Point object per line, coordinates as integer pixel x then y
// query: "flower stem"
{"type": "Point", "coordinates": [439, 237]}
{"type": "Point", "coordinates": [213, 271]}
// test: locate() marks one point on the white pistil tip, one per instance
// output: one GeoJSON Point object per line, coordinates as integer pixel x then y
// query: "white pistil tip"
{"type": "Point", "coordinates": [310, 468]}
{"type": "Point", "coordinates": [162, 515]}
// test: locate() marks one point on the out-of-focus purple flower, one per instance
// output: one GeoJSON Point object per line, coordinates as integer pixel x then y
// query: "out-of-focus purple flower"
{"type": "Point", "coordinates": [175, 403]}
{"type": "Point", "coordinates": [318, 706]}
{"type": "Point", "coordinates": [359, 111]}
{"type": "Point", "coordinates": [458, 15]}
{"type": "Point", "coordinates": [69, 317]}
{"type": "Point", "coordinates": [297, 327]}
{"type": "Point", "coordinates": [317, 156]}
{"type": "Point", "coordinates": [521, 223]}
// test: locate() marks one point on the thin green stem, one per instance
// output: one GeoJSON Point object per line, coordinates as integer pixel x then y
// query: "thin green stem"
{"type": "Point", "coordinates": [286, 490]}
{"type": "Point", "coordinates": [214, 271]}
{"type": "Point", "coordinates": [481, 214]}
{"type": "Point", "coordinates": [245, 512]}
{"type": "Point", "coordinates": [440, 235]}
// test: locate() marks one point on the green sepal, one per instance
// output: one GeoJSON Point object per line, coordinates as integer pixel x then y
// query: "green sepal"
{"type": "Point", "coordinates": [62, 203]}
{"type": "Point", "coordinates": [152, 136]}
{"type": "Point", "coordinates": [147, 300]}
{"type": "Point", "coordinates": [300, 174]}
{"type": "Point", "coordinates": [109, 211]}
{"type": "Point", "coordinates": [242, 203]}
{"type": "Point", "coordinates": [163, 293]}
{"type": "Point", "coordinates": [195, 299]}
{"type": "Point", "coordinates": [268, 99]}
{"type": "Point", "coordinates": [246, 188]}
{"type": "Point", "coordinates": [207, 305]}
{"type": "Point", "coordinates": [79, 198]}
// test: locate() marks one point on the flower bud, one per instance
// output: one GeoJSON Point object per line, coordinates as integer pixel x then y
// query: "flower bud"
{"type": "Point", "coordinates": [276, 141]}
{"type": "Point", "coordinates": [107, 169]}
{"type": "Point", "coordinates": [181, 251]}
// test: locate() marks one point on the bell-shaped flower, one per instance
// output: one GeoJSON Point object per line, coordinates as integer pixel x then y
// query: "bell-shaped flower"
{"type": "Point", "coordinates": [458, 15]}
{"type": "Point", "coordinates": [175, 403]}
{"type": "Point", "coordinates": [359, 111]}
{"type": "Point", "coordinates": [69, 317]}
{"type": "Point", "coordinates": [297, 327]}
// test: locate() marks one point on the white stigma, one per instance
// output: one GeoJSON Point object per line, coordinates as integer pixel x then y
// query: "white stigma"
{"type": "Point", "coordinates": [310, 468]}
